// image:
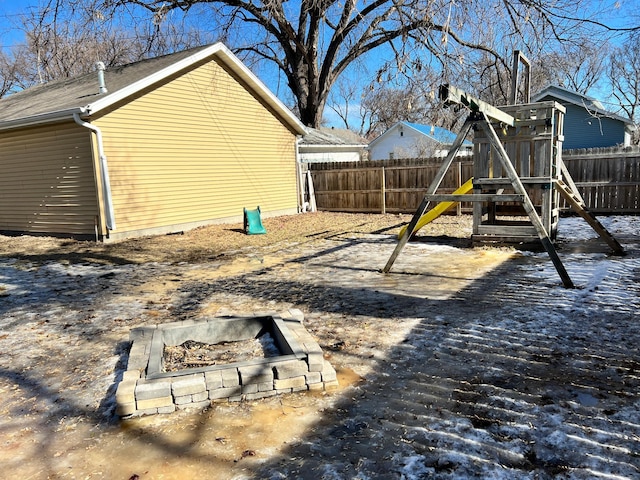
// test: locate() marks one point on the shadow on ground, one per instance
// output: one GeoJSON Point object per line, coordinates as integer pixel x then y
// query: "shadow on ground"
{"type": "Point", "coordinates": [508, 378]}
{"type": "Point", "coordinates": [481, 390]}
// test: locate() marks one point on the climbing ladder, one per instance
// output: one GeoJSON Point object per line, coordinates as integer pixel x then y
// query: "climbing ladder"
{"type": "Point", "coordinates": [480, 118]}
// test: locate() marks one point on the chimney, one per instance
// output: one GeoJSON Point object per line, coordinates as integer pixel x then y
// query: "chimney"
{"type": "Point", "coordinates": [101, 84]}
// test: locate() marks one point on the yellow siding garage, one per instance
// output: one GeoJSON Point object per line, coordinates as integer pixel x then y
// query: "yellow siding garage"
{"type": "Point", "coordinates": [187, 139]}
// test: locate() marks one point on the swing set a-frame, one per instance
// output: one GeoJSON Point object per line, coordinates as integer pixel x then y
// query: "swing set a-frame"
{"type": "Point", "coordinates": [497, 182]}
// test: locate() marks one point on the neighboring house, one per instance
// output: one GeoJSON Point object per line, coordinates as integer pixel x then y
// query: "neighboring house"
{"type": "Point", "coordinates": [413, 140]}
{"type": "Point", "coordinates": [587, 124]}
{"type": "Point", "coordinates": [325, 146]}
{"type": "Point", "coordinates": [164, 145]}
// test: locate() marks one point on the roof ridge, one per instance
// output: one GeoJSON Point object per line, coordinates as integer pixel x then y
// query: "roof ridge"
{"type": "Point", "coordinates": [62, 81]}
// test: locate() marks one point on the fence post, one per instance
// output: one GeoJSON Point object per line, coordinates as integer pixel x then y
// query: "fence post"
{"type": "Point", "coordinates": [383, 192]}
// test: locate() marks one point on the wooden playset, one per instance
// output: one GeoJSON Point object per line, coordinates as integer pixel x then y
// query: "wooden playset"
{"type": "Point", "coordinates": [518, 180]}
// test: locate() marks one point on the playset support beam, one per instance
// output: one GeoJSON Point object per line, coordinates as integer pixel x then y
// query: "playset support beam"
{"type": "Point", "coordinates": [520, 59]}
{"type": "Point", "coordinates": [424, 205]}
{"type": "Point", "coordinates": [451, 95]}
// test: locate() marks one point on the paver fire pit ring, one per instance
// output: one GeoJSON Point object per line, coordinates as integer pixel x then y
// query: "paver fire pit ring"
{"type": "Point", "coordinates": [147, 389]}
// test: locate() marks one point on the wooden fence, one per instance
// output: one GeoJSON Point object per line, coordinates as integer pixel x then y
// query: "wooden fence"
{"type": "Point", "coordinates": [608, 179]}
{"type": "Point", "coordinates": [389, 186]}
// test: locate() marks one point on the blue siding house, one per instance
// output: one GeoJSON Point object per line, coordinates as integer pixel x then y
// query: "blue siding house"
{"type": "Point", "coordinates": [587, 124]}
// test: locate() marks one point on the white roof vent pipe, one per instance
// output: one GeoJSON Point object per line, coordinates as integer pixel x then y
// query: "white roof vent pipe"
{"type": "Point", "coordinates": [103, 87]}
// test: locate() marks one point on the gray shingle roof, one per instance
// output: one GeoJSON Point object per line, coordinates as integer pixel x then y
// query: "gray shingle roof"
{"type": "Point", "coordinates": [59, 99]}
{"type": "Point", "coordinates": [320, 137]}
{"type": "Point", "coordinates": [77, 92]}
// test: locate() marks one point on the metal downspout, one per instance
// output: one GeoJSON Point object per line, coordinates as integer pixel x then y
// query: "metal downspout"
{"type": "Point", "coordinates": [299, 175]}
{"type": "Point", "coordinates": [104, 172]}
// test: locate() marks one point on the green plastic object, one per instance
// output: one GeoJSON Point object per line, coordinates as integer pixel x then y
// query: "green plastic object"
{"type": "Point", "coordinates": [253, 222]}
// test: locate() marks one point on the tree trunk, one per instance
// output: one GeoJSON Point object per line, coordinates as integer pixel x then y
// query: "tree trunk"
{"type": "Point", "coordinates": [311, 115]}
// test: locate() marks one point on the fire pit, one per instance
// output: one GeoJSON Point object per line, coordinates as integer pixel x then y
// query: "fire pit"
{"type": "Point", "coordinates": [290, 361]}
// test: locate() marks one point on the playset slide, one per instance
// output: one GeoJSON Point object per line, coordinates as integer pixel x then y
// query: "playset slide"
{"type": "Point", "coordinates": [439, 209]}
{"type": "Point", "coordinates": [253, 222]}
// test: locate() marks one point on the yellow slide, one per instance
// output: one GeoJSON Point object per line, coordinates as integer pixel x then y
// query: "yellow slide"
{"type": "Point", "coordinates": [439, 209]}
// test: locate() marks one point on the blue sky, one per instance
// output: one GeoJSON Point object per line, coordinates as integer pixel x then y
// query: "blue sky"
{"type": "Point", "coordinates": [11, 10]}
{"type": "Point", "coordinates": [7, 8]}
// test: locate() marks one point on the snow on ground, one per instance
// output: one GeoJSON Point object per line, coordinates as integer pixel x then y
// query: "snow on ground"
{"type": "Point", "coordinates": [582, 428]}
{"type": "Point", "coordinates": [511, 377]}
{"type": "Point", "coordinates": [515, 377]}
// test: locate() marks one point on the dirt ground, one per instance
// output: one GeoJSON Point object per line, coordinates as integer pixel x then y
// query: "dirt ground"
{"type": "Point", "coordinates": [428, 351]}
{"type": "Point", "coordinates": [216, 241]}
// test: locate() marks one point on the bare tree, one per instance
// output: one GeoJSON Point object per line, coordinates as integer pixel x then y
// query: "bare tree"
{"type": "Point", "coordinates": [624, 75]}
{"type": "Point", "coordinates": [10, 66]}
{"type": "Point", "coordinates": [65, 42]}
{"type": "Point", "coordinates": [384, 104]}
{"type": "Point", "coordinates": [343, 99]}
{"type": "Point", "coordinates": [313, 42]}
{"type": "Point", "coordinates": [417, 101]}
{"type": "Point", "coordinates": [579, 65]}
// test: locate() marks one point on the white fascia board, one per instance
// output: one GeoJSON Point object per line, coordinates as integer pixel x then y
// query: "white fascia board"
{"type": "Point", "coordinates": [421, 133]}
{"type": "Point", "coordinates": [253, 81]}
{"type": "Point", "coordinates": [220, 51]}
{"type": "Point", "coordinates": [135, 87]}
{"type": "Point", "coordinates": [376, 140]}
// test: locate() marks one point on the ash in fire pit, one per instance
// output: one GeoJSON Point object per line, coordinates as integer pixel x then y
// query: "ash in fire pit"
{"type": "Point", "coordinates": [192, 354]}
{"type": "Point", "coordinates": [193, 363]}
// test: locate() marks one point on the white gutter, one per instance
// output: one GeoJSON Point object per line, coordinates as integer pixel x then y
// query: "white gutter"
{"type": "Point", "coordinates": [50, 117]}
{"type": "Point", "coordinates": [104, 171]}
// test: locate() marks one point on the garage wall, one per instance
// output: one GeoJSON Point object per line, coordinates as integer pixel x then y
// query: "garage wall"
{"type": "Point", "coordinates": [47, 181]}
{"type": "Point", "coordinates": [196, 150]}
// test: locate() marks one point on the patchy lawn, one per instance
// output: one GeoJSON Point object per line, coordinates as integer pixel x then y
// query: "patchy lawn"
{"type": "Point", "coordinates": [208, 243]}
{"type": "Point", "coordinates": [461, 363]}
